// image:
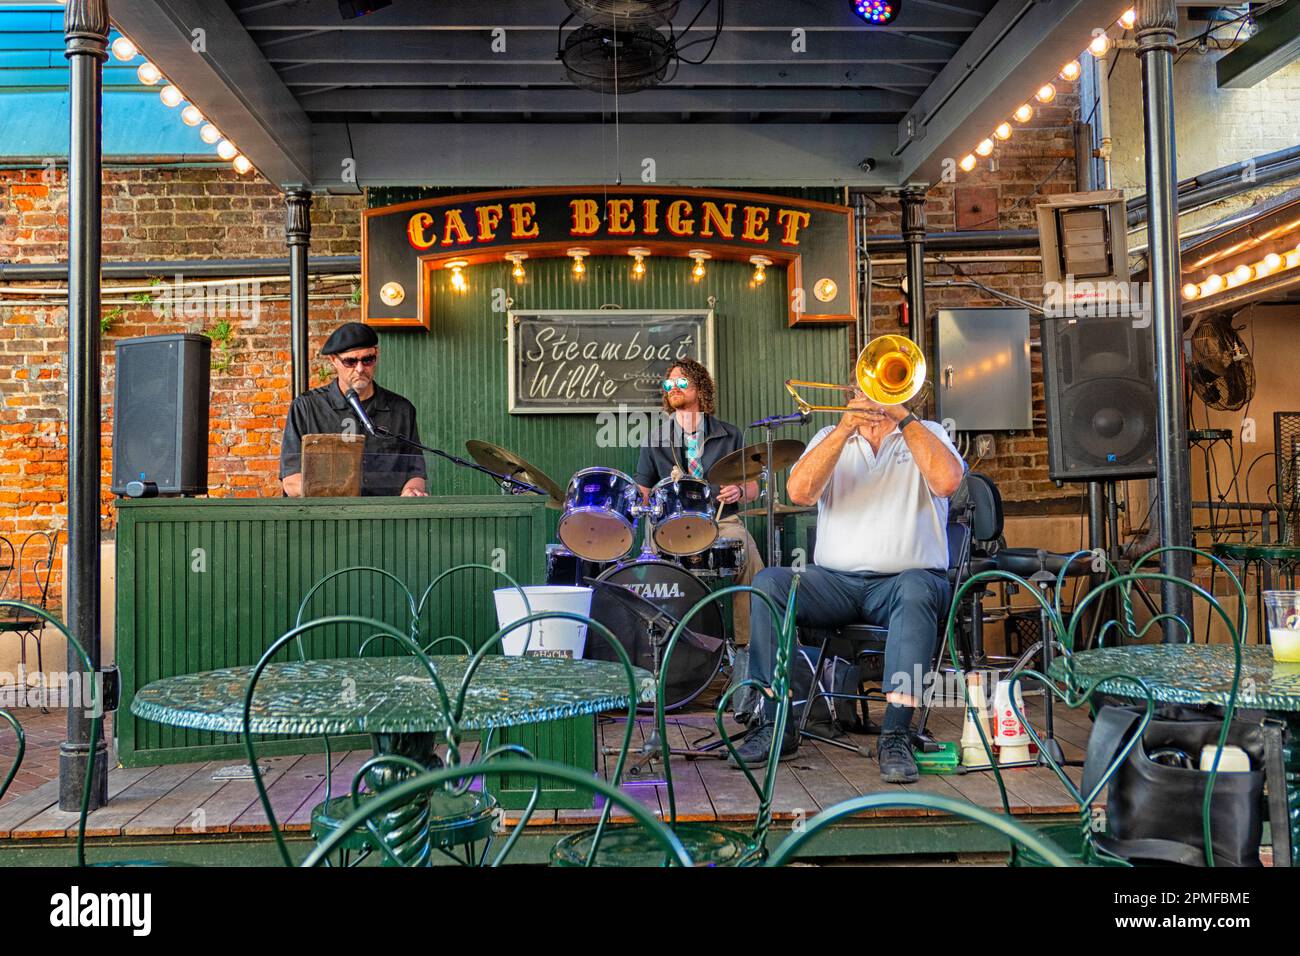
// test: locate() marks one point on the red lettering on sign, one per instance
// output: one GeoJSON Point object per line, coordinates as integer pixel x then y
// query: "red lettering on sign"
{"type": "Point", "coordinates": [755, 224]}
{"type": "Point", "coordinates": [522, 225]}
{"type": "Point", "coordinates": [489, 217]}
{"type": "Point", "coordinates": [713, 217]}
{"type": "Point", "coordinates": [793, 221]}
{"type": "Point", "coordinates": [650, 217]}
{"type": "Point", "coordinates": [586, 217]}
{"type": "Point", "coordinates": [619, 216]}
{"type": "Point", "coordinates": [455, 222]}
{"type": "Point", "coordinates": [415, 231]}
{"type": "Point", "coordinates": [677, 225]}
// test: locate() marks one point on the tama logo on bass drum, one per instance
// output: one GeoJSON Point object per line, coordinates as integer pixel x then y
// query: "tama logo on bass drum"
{"type": "Point", "coordinates": [657, 589]}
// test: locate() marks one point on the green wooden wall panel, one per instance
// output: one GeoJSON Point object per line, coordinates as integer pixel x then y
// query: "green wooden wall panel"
{"type": "Point", "coordinates": [456, 373]}
{"type": "Point", "coordinates": [262, 556]}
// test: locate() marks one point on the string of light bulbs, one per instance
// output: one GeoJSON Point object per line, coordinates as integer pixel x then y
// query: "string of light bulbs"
{"type": "Point", "coordinates": [1070, 72]}
{"type": "Point", "coordinates": [578, 268]}
{"type": "Point", "coordinates": [124, 50]}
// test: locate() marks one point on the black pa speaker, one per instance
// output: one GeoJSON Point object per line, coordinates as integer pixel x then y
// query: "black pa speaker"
{"type": "Point", "coordinates": [1100, 392]}
{"type": "Point", "coordinates": [160, 413]}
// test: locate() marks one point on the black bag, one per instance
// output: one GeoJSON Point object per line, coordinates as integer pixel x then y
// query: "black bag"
{"type": "Point", "coordinates": [831, 716]}
{"type": "Point", "coordinates": [1153, 809]}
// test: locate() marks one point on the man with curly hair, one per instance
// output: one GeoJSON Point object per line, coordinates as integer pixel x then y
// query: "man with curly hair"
{"type": "Point", "coordinates": [697, 440]}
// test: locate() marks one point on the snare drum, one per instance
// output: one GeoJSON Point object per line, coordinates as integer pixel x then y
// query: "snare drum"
{"type": "Point", "coordinates": [725, 559]}
{"type": "Point", "coordinates": [683, 516]}
{"type": "Point", "coordinates": [600, 514]}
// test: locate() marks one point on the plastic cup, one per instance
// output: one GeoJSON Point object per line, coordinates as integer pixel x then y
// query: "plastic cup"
{"type": "Point", "coordinates": [1283, 610]}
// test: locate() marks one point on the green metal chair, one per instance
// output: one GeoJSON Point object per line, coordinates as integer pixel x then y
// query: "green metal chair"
{"type": "Point", "coordinates": [20, 750]}
{"type": "Point", "coordinates": [1078, 839]}
{"type": "Point", "coordinates": [457, 823]}
{"type": "Point", "coordinates": [1018, 834]}
{"type": "Point", "coordinates": [668, 848]}
{"type": "Point", "coordinates": [28, 568]}
{"type": "Point", "coordinates": [708, 844]}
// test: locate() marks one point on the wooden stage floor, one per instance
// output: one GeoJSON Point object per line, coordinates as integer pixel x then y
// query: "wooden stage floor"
{"type": "Point", "coordinates": [198, 813]}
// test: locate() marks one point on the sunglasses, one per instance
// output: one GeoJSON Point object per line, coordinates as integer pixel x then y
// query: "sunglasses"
{"type": "Point", "coordinates": [366, 360]}
{"type": "Point", "coordinates": [671, 383]}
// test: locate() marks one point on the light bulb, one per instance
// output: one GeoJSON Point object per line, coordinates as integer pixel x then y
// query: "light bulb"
{"type": "Point", "coordinates": [171, 95]}
{"type": "Point", "coordinates": [1099, 45]}
{"type": "Point", "coordinates": [1243, 273]}
{"type": "Point", "coordinates": [124, 49]}
{"type": "Point", "coordinates": [697, 272]}
{"type": "Point", "coordinates": [1070, 72]}
{"type": "Point", "coordinates": [1272, 262]}
{"type": "Point", "coordinates": [148, 73]}
{"type": "Point", "coordinates": [984, 148]}
{"type": "Point", "coordinates": [760, 268]}
{"type": "Point", "coordinates": [1024, 114]}
{"type": "Point", "coordinates": [241, 164]}
{"type": "Point", "coordinates": [638, 254]}
{"type": "Point", "coordinates": [191, 116]}
{"type": "Point", "coordinates": [1212, 284]}
{"type": "Point", "coordinates": [1191, 290]}
{"type": "Point", "coordinates": [1292, 258]}
{"type": "Point", "coordinates": [1129, 18]}
{"type": "Point", "coordinates": [579, 266]}
{"type": "Point", "coordinates": [1046, 93]}
{"type": "Point", "coordinates": [1003, 131]}
{"type": "Point", "coordinates": [226, 149]}
{"type": "Point", "coordinates": [518, 259]}
{"type": "Point", "coordinates": [967, 162]}
{"type": "Point", "coordinates": [638, 268]}
{"type": "Point", "coordinates": [209, 133]}
{"type": "Point", "coordinates": [457, 276]}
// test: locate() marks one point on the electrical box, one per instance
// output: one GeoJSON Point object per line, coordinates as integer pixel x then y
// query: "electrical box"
{"type": "Point", "coordinates": [982, 374]}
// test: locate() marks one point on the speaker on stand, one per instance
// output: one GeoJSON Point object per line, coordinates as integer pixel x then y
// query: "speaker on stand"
{"type": "Point", "coordinates": [160, 416]}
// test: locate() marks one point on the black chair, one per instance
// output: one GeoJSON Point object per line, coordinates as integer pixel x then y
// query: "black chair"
{"type": "Point", "coordinates": [868, 640]}
{"type": "Point", "coordinates": [25, 576]}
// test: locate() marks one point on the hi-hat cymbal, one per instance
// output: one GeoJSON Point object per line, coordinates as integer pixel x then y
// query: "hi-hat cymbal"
{"type": "Point", "coordinates": [744, 464]}
{"type": "Point", "coordinates": [505, 462]}
{"type": "Point", "coordinates": [780, 509]}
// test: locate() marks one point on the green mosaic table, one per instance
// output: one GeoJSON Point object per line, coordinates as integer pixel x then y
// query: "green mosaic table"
{"type": "Point", "coordinates": [393, 700]}
{"type": "Point", "coordinates": [1202, 674]}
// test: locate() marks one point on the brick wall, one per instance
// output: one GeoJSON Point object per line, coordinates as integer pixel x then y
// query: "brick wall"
{"type": "Point", "coordinates": [1037, 161]}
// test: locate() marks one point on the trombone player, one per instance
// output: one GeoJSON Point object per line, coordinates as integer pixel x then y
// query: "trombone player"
{"type": "Point", "coordinates": [881, 479]}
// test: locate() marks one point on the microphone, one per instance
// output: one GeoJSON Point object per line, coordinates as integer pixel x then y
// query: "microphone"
{"type": "Point", "coordinates": [354, 401]}
{"type": "Point", "coordinates": [794, 418]}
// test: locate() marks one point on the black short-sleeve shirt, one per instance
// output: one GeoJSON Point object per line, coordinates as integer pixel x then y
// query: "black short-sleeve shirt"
{"type": "Point", "coordinates": [387, 464]}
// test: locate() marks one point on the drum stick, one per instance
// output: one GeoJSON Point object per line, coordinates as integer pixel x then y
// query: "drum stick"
{"type": "Point", "coordinates": [721, 505]}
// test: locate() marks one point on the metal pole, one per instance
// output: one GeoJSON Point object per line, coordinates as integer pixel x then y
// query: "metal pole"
{"type": "Point", "coordinates": [297, 234]}
{"type": "Point", "coordinates": [912, 201]}
{"type": "Point", "coordinates": [85, 30]}
{"type": "Point", "coordinates": [1156, 23]}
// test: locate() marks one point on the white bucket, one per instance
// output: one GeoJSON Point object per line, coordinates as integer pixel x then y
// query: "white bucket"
{"type": "Point", "coordinates": [554, 637]}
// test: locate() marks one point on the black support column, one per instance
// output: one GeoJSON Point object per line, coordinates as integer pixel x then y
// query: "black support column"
{"type": "Point", "coordinates": [85, 29]}
{"type": "Point", "coordinates": [1157, 21]}
{"type": "Point", "coordinates": [297, 235]}
{"type": "Point", "coordinates": [912, 202]}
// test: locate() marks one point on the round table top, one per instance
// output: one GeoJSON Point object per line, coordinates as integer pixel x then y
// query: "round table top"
{"type": "Point", "coordinates": [1191, 674]}
{"type": "Point", "coordinates": [1241, 551]}
{"type": "Point", "coordinates": [376, 695]}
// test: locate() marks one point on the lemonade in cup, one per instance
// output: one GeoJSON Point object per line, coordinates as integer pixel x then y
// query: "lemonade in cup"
{"type": "Point", "coordinates": [1283, 609]}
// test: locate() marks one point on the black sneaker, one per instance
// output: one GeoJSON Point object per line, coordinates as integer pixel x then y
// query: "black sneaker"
{"type": "Point", "coordinates": [758, 745]}
{"type": "Point", "coordinates": [894, 754]}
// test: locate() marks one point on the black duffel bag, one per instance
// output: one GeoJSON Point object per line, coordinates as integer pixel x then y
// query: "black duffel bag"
{"type": "Point", "coordinates": [1154, 809]}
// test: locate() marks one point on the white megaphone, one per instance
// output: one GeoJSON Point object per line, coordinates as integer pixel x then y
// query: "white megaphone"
{"type": "Point", "coordinates": [1009, 734]}
{"type": "Point", "coordinates": [973, 754]}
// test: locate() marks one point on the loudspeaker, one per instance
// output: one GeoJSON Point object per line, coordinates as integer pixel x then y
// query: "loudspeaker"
{"type": "Point", "coordinates": [1099, 389]}
{"type": "Point", "coordinates": [160, 413]}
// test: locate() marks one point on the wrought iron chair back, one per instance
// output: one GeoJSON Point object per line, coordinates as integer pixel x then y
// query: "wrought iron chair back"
{"type": "Point", "coordinates": [1015, 832]}
{"type": "Point", "coordinates": [96, 710]}
{"type": "Point", "coordinates": [26, 571]}
{"type": "Point", "coordinates": [674, 854]}
{"type": "Point", "coordinates": [1078, 692]}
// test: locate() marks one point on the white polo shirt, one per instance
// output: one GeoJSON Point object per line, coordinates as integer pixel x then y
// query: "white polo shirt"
{"type": "Point", "coordinates": [877, 512]}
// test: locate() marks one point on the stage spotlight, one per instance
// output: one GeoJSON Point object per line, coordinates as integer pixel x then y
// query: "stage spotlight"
{"type": "Point", "coordinates": [878, 12]}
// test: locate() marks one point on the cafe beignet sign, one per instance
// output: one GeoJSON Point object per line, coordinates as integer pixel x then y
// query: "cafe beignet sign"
{"type": "Point", "coordinates": [405, 248]}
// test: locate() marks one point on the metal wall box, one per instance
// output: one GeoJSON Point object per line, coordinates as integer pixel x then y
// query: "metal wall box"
{"type": "Point", "coordinates": [982, 376]}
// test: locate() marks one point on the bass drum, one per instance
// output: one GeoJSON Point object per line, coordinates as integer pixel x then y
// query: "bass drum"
{"type": "Point", "coordinates": [667, 586]}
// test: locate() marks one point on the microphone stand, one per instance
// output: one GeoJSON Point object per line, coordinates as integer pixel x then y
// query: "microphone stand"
{"type": "Point", "coordinates": [771, 424]}
{"type": "Point", "coordinates": [508, 482]}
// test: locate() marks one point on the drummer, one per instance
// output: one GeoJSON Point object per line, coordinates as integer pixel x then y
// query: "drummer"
{"type": "Point", "coordinates": [698, 439]}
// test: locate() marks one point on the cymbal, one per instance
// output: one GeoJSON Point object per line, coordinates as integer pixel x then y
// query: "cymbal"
{"type": "Point", "coordinates": [744, 464]}
{"type": "Point", "coordinates": [780, 509]}
{"type": "Point", "coordinates": [505, 462]}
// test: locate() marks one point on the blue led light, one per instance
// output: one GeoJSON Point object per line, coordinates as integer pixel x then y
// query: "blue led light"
{"type": "Point", "coordinates": [877, 11]}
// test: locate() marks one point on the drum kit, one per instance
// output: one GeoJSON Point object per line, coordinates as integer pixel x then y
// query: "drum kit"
{"type": "Point", "coordinates": [683, 557]}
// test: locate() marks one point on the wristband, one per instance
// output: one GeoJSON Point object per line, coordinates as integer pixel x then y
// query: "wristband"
{"type": "Point", "coordinates": [907, 420]}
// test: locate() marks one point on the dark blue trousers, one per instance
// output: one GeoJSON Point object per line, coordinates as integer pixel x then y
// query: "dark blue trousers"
{"type": "Point", "coordinates": [909, 604]}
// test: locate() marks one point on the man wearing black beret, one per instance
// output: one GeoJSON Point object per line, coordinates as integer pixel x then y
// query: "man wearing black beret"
{"type": "Point", "coordinates": [389, 466]}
